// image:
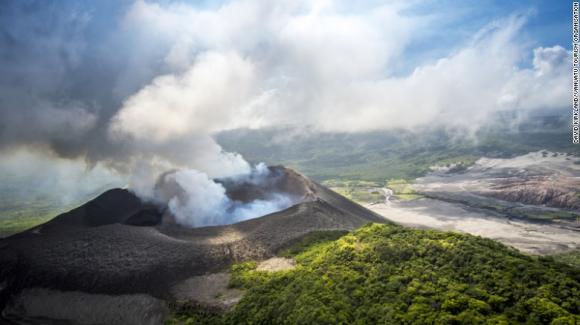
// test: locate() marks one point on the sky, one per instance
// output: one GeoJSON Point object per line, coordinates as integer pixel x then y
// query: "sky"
{"type": "Point", "coordinates": [141, 86]}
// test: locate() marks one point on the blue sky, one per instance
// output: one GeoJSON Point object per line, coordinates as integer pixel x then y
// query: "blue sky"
{"type": "Point", "coordinates": [454, 21]}
{"type": "Point", "coordinates": [548, 24]}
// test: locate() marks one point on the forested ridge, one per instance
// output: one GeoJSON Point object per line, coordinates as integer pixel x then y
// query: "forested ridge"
{"type": "Point", "coordinates": [387, 274]}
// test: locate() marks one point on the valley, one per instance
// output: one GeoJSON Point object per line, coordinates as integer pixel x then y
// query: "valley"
{"type": "Point", "coordinates": [518, 187]}
{"type": "Point", "coordinates": [528, 237]}
{"type": "Point", "coordinates": [543, 219]}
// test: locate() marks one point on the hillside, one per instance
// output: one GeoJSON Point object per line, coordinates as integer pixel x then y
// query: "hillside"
{"type": "Point", "coordinates": [117, 246]}
{"type": "Point", "coordinates": [387, 274]}
{"type": "Point", "coordinates": [397, 153]}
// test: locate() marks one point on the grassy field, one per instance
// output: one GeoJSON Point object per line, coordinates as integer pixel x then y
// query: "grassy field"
{"type": "Point", "coordinates": [11, 225]}
{"type": "Point", "coordinates": [402, 190]}
{"type": "Point", "coordinates": [356, 190]}
{"type": "Point", "coordinates": [18, 214]}
{"type": "Point", "coordinates": [370, 191]}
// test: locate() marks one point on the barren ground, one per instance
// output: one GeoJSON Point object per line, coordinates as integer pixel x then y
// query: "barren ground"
{"type": "Point", "coordinates": [210, 290]}
{"type": "Point", "coordinates": [528, 237]}
{"type": "Point", "coordinates": [276, 264]}
{"type": "Point", "coordinates": [477, 201]}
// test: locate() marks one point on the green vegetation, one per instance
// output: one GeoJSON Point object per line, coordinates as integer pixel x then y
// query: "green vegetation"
{"type": "Point", "coordinates": [310, 240]}
{"type": "Point", "coordinates": [402, 190]}
{"type": "Point", "coordinates": [13, 225]}
{"type": "Point", "coordinates": [387, 274]}
{"type": "Point", "coordinates": [15, 218]}
{"type": "Point", "coordinates": [192, 314]}
{"type": "Point", "coordinates": [547, 215]}
{"type": "Point", "coordinates": [461, 162]}
{"type": "Point", "coordinates": [359, 191]}
{"type": "Point", "coordinates": [571, 258]}
{"type": "Point", "coordinates": [371, 192]}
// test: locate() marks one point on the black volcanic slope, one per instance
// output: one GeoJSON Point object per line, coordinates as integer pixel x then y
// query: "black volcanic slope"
{"type": "Point", "coordinates": [115, 244]}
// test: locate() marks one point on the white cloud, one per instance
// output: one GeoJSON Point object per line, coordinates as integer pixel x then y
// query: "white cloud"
{"type": "Point", "coordinates": [253, 63]}
{"type": "Point", "coordinates": [544, 86]}
{"type": "Point", "coordinates": [193, 102]}
{"type": "Point", "coordinates": [171, 119]}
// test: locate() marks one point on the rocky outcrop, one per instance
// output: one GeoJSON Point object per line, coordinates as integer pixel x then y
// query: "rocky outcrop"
{"type": "Point", "coordinates": [559, 193]}
{"type": "Point", "coordinates": [538, 186]}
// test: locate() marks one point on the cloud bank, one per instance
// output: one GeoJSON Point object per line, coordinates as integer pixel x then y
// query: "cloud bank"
{"type": "Point", "coordinates": [125, 83]}
{"type": "Point", "coordinates": [329, 69]}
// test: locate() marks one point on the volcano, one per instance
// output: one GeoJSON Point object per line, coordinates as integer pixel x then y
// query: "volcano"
{"type": "Point", "coordinates": [120, 256]}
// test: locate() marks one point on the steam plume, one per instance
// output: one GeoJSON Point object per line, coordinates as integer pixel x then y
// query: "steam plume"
{"type": "Point", "coordinates": [196, 200]}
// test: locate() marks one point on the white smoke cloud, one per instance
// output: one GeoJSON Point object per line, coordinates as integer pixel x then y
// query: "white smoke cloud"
{"type": "Point", "coordinates": [196, 200]}
{"type": "Point", "coordinates": [199, 201]}
{"type": "Point", "coordinates": [258, 208]}
{"type": "Point", "coordinates": [197, 101]}
{"type": "Point", "coordinates": [173, 117]}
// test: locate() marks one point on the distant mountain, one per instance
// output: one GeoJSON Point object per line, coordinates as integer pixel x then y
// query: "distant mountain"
{"type": "Point", "coordinates": [395, 154]}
